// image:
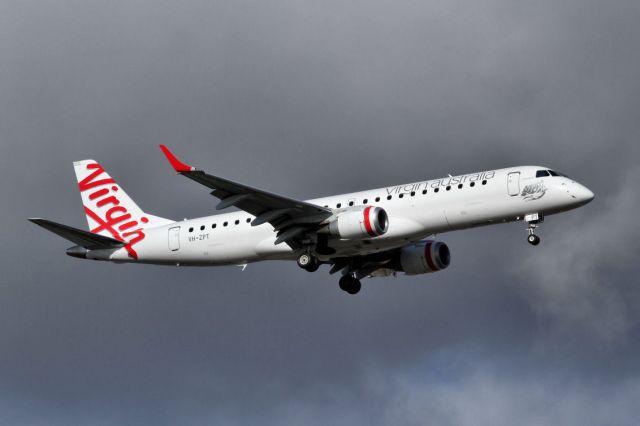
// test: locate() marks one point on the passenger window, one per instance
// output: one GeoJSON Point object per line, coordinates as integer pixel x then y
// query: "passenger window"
{"type": "Point", "coordinates": [484, 182]}
{"type": "Point", "coordinates": [338, 205]}
{"type": "Point", "coordinates": [460, 186]}
{"type": "Point", "coordinates": [365, 201]}
{"type": "Point", "coordinates": [401, 195]}
{"type": "Point", "coordinates": [237, 221]}
{"type": "Point", "coordinates": [424, 191]}
{"type": "Point", "coordinates": [472, 184]}
{"type": "Point", "coordinates": [542, 173]}
{"type": "Point", "coordinates": [377, 199]}
{"type": "Point", "coordinates": [389, 197]}
{"type": "Point", "coordinates": [190, 229]}
{"type": "Point", "coordinates": [225, 224]}
{"type": "Point", "coordinates": [213, 226]}
{"type": "Point", "coordinates": [248, 219]}
{"type": "Point", "coordinates": [202, 228]}
{"type": "Point", "coordinates": [413, 193]}
{"type": "Point", "coordinates": [448, 187]}
{"type": "Point", "coordinates": [436, 190]}
{"type": "Point", "coordinates": [350, 203]}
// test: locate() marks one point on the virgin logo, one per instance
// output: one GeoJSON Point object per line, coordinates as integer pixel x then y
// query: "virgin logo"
{"type": "Point", "coordinates": [106, 210]}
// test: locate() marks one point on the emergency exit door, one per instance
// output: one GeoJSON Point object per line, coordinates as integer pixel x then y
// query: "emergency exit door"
{"type": "Point", "coordinates": [174, 238]}
{"type": "Point", "coordinates": [513, 183]}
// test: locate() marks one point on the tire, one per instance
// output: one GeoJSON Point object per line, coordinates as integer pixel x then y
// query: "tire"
{"type": "Point", "coordinates": [304, 260]}
{"type": "Point", "coordinates": [308, 262]}
{"type": "Point", "coordinates": [344, 283]}
{"type": "Point", "coordinates": [534, 240]}
{"type": "Point", "coordinates": [313, 266]}
{"type": "Point", "coordinates": [355, 287]}
{"type": "Point", "coordinates": [350, 284]}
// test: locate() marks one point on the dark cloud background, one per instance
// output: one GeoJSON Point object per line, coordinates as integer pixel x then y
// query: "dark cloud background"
{"type": "Point", "coordinates": [309, 99]}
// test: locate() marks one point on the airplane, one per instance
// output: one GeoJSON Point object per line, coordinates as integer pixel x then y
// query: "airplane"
{"type": "Point", "coordinates": [372, 233]}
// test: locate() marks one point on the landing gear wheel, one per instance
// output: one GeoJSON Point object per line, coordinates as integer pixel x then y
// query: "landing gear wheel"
{"type": "Point", "coordinates": [533, 239]}
{"type": "Point", "coordinates": [313, 266]}
{"type": "Point", "coordinates": [308, 262]}
{"type": "Point", "coordinates": [350, 284]}
{"type": "Point", "coordinates": [533, 220]}
{"type": "Point", "coordinates": [304, 260]}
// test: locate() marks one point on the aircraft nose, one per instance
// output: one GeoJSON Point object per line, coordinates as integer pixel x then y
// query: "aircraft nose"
{"type": "Point", "coordinates": [583, 194]}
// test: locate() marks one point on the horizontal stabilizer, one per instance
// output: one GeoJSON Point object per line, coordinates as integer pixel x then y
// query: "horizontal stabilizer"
{"type": "Point", "coordinates": [82, 238]}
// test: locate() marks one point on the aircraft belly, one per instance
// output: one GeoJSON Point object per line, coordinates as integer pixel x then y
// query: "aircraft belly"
{"type": "Point", "coordinates": [470, 213]}
{"type": "Point", "coordinates": [364, 247]}
{"type": "Point", "coordinates": [247, 247]}
{"type": "Point", "coordinates": [402, 227]}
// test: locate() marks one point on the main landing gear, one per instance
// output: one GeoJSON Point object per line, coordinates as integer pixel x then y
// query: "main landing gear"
{"type": "Point", "coordinates": [532, 223]}
{"type": "Point", "coordinates": [308, 262]}
{"type": "Point", "coordinates": [350, 284]}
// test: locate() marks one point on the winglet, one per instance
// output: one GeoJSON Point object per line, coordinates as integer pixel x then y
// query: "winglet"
{"type": "Point", "coordinates": [178, 165]}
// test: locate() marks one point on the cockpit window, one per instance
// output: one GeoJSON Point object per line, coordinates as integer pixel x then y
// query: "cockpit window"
{"type": "Point", "coordinates": [542, 173]}
{"type": "Point", "coordinates": [551, 172]}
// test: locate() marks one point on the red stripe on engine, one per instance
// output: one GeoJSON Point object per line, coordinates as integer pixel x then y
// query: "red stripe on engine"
{"type": "Point", "coordinates": [427, 255]}
{"type": "Point", "coordinates": [367, 222]}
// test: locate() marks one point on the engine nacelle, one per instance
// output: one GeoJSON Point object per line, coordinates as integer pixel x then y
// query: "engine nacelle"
{"type": "Point", "coordinates": [424, 257]}
{"type": "Point", "coordinates": [360, 223]}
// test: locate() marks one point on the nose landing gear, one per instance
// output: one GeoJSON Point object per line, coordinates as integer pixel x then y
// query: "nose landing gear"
{"type": "Point", "coordinates": [532, 223]}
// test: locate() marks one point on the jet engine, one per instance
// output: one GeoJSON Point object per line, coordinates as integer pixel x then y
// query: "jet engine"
{"type": "Point", "coordinates": [424, 257]}
{"type": "Point", "coordinates": [359, 223]}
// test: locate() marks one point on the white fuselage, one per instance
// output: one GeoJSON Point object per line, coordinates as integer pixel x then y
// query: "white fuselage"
{"type": "Point", "coordinates": [450, 203]}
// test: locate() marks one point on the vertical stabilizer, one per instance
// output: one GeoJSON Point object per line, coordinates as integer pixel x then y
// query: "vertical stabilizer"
{"type": "Point", "coordinates": [110, 211]}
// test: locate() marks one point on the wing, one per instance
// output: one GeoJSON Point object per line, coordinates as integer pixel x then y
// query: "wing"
{"type": "Point", "coordinates": [291, 218]}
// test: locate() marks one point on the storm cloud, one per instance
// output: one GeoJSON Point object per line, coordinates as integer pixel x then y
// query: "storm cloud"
{"type": "Point", "coordinates": [309, 99]}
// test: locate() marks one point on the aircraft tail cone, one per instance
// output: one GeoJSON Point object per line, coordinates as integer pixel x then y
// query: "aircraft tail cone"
{"type": "Point", "coordinates": [77, 251]}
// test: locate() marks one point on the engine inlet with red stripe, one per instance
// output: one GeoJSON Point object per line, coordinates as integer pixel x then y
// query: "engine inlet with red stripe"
{"type": "Point", "coordinates": [375, 221]}
{"type": "Point", "coordinates": [424, 257]}
{"type": "Point", "coordinates": [359, 222]}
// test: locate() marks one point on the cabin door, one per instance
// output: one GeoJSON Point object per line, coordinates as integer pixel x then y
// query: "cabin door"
{"type": "Point", "coordinates": [174, 238]}
{"type": "Point", "coordinates": [513, 183]}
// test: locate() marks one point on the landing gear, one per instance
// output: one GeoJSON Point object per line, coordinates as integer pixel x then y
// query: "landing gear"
{"type": "Point", "coordinates": [350, 284]}
{"type": "Point", "coordinates": [532, 223]}
{"type": "Point", "coordinates": [308, 262]}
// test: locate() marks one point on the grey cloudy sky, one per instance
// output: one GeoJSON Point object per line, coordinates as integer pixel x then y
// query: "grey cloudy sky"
{"type": "Point", "coordinates": [308, 99]}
